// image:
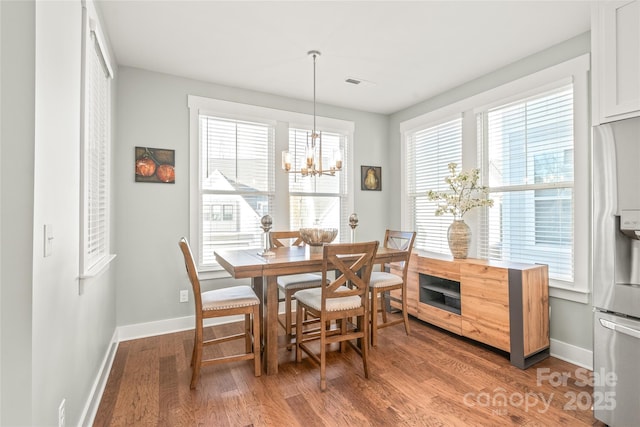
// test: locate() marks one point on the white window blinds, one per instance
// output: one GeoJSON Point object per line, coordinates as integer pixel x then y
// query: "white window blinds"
{"type": "Point", "coordinates": [320, 200]}
{"type": "Point", "coordinates": [236, 184]}
{"type": "Point", "coordinates": [95, 165]}
{"type": "Point", "coordinates": [528, 148]}
{"type": "Point", "coordinates": [429, 151]}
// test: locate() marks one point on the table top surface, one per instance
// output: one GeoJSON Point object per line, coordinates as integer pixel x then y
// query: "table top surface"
{"type": "Point", "coordinates": [242, 263]}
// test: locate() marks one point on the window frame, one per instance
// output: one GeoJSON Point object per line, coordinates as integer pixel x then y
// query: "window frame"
{"type": "Point", "coordinates": [409, 218]}
{"type": "Point", "coordinates": [529, 189]}
{"type": "Point", "coordinates": [575, 69]}
{"type": "Point", "coordinates": [282, 121]}
{"type": "Point", "coordinates": [92, 38]}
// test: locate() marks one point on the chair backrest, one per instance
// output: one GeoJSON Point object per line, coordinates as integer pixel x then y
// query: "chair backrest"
{"type": "Point", "coordinates": [281, 239]}
{"type": "Point", "coordinates": [192, 272]}
{"type": "Point", "coordinates": [402, 240]}
{"type": "Point", "coordinates": [352, 263]}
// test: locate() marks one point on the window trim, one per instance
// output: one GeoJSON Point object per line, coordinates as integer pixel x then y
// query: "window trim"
{"type": "Point", "coordinates": [524, 98]}
{"type": "Point", "coordinates": [281, 120]}
{"type": "Point", "coordinates": [91, 27]}
{"type": "Point", "coordinates": [577, 69]}
{"type": "Point", "coordinates": [410, 127]}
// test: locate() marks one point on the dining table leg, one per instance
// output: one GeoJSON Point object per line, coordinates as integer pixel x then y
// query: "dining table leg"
{"type": "Point", "coordinates": [257, 283]}
{"type": "Point", "coordinates": [271, 326]}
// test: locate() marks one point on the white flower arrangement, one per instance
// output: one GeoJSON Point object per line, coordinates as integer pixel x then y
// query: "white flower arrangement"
{"type": "Point", "coordinates": [465, 193]}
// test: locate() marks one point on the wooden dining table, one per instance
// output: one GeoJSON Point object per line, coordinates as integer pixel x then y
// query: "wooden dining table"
{"type": "Point", "coordinates": [264, 271]}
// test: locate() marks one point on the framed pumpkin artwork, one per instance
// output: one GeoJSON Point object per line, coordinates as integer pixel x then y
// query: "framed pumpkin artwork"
{"type": "Point", "coordinates": [371, 178]}
{"type": "Point", "coordinates": [155, 165]}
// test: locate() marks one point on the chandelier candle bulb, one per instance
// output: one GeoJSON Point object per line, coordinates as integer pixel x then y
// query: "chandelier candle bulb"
{"type": "Point", "coordinates": [337, 157]}
{"type": "Point", "coordinates": [286, 161]}
{"type": "Point", "coordinates": [309, 155]}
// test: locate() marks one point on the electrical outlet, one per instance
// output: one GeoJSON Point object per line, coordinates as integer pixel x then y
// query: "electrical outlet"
{"type": "Point", "coordinates": [184, 296]}
{"type": "Point", "coordinates": [61, 413]}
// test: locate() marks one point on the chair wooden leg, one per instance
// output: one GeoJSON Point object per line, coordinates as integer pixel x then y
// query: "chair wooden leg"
{"type": "Point", "coordinates": [405, 313]}
{"type": "Point", "coordinates": [195, 340]}
{"type": "Point", "coordinates": [197, 354]}
{"type": "Point", "coordinates": [256, 342]}
{"type": "Point", "coordinates": [323, 358]}
{"type": "Point", "coordinates": [247, 333]}
{"type": "Point", "coordinates": [343, 331]}
{"type": "Point", "coordinates": [299, 322]}
{"type": "Point", "coordinates": [365, 345]}
{"type": "Point", "coordinates": [288, 318]}
{"type": "Point", "coordinates": [374, 317]}
{"type": "Point", "coordinates": [383, 307]}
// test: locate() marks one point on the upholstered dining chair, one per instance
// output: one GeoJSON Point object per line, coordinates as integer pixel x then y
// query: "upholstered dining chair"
{"type": "Point", "coordinates": [341, 299]}
{"type": "Point", "coordinates": [292, 283]}
{"type": "Point", "coordinates": [384, 281]}
{"type": "Point", "coordinates": [218, 303]}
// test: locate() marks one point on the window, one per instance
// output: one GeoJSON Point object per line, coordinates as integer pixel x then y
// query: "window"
{"type": "Point", "coordinates": [235, 183]}
{"type": "Point", "coordinates": [429, 150]}
{"type": "Point", "coordinates": [233, 148]}
{"type": "Point", "coordinates": [318, 200]}
{"type": "Point", "coordinates": [95, 152]}
{"type": "Point", "coordinates": [530, 137]}
{"type": "Point", "coordinates": [528, 150]}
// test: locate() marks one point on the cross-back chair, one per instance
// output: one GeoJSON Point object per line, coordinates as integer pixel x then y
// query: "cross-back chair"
{"type": "Point", "coordinates": [383, 282]}
{"type": "Point", "coordinates": [290, 284]}
{"type": "Point", "coordinates": [218, 303]}
{"type": "Point", "coordinates": [341, 299]}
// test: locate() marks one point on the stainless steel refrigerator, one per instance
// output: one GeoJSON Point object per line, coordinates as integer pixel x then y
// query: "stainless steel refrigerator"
{"type": "Point", "coordinates": [616, 272]}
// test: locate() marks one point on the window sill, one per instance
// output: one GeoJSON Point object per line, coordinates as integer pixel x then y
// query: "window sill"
{"type": "Point", "coordinates": [213, 274]}
{"type": "Point", "coordinates": [99, 268]}
{"type": "Point", "coordinates": [557, 290]}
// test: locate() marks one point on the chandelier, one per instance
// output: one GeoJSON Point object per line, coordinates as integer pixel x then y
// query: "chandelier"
{"type": "Point", "coordinates": [313, 148]}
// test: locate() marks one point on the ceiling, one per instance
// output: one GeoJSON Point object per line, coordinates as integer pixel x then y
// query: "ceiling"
{"type": "Point", "coordinates": [404, 52]}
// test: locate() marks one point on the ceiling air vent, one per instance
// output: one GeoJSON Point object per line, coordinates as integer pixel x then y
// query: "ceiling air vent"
{"type": "Point", "coordinates": [353, 81]}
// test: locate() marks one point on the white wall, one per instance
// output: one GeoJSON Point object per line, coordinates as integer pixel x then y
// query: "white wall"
{"type": "Point", "coordinates": [54, 337]}
{"type": "Point", "coordinates": [152, 111]}
{"type": "Point", "coordinates": [570, 321]}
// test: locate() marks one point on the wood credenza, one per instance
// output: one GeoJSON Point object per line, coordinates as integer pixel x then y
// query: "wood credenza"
{"type": "Point", "coordinates": [502, 304]}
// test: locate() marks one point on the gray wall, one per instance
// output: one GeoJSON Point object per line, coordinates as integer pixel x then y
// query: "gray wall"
{"type": "Point", "coordinates": [16, 178]}
{"type": "Point", "coordinates": [55, 329]}
{"type": "Point", "coordinates": [152, 111]}
{"type": "Point", "coordinates": [570, 322]}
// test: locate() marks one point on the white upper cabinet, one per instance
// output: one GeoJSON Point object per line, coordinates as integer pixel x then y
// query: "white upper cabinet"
{"type": "Point", "coordinates": [615, 45]}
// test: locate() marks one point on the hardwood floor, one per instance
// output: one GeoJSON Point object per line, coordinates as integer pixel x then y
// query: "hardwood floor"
{"type": "Point", "coordinates": [431, 378]}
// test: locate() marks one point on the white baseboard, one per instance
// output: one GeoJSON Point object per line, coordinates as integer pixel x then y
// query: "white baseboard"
{"type": "Point", "coordinates": [572, 354]}
{"type": "Point", "coordinates": [95, 395]}
{"type": "Point", "coordinates": [167, 326]}
{"type": "Point", "coordinates": [177, 324]}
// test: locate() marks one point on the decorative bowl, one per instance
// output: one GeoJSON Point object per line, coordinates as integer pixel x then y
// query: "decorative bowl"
{"type": "Point", "coordinates": [317, 237]}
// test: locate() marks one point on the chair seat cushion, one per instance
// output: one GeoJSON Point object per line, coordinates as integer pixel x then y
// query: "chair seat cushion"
{"type": "Point", "coordinates": [313, 299]}
{"type": "Point", "coordinates": [232, 297]}
{"type": "Point", "coordinates": [381, 279]}
{"type": "Point", "coordinates": [299, 281]}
